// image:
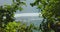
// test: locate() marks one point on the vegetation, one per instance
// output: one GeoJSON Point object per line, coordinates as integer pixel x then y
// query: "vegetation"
{"type": "Point", "coordinates": [50, 10]}
{"type": "Point", "coordinates": [18, 27]}
{"type": "Point", "coordinates": [7, 22]}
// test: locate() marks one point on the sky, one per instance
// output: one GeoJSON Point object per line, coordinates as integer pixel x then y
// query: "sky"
{"type": "Point", "coordinates": [27, 10]}
{"type": "Point", "coordinates": [2, 2]}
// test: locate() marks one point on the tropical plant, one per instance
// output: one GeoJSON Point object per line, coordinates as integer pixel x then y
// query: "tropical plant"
{"type": "Point", "coordinates": [7, 21]}
{"type": "Point", "coordinates": [50, 10]}
{"type": "Point", "coordinates": [19, 27]}
{"type": "Point", "coordinates": [7, 12]}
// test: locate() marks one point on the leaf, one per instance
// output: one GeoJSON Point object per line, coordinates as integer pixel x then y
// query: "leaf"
{"type": "Point", "coordinates": [17, 0]}
{"type": "Point", "coordinates": [22, 3]}
{"type": "Point", "coordinates": [40, 6]}
{"type": "Point", "coordinates": [20, 9]}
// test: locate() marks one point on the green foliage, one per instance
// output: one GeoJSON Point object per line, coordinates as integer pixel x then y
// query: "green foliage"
{"type": "Point", "coordinates": [7, 13]}
{"type": "Point", "coordinates": [12, 27]}
{"type": "Point", "coordinates": [7, 22]}
{"type": "Point", "coordinates": [18, 27]}
{"type": "Point", "coordinates": [50, 10]}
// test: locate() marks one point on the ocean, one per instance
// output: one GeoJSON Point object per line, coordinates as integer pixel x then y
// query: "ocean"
{"type": "Point", "coordinates": [30, 20]}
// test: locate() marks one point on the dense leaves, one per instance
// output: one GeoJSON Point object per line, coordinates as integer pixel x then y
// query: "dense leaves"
{"type": "Point", "coordinates": [7, 21]}
{"type": "Point", "coordinates": [50, 10]}
{"type": "Point", "coordinates": [7, 12]}
{"type": "Point", "coordinates": [18, 27]}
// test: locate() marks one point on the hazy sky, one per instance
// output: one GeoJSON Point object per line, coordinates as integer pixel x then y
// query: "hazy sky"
{"type": "Point", "coordinates": [2, 2]}
{"type": "Point", "coordinates": [28, 10]}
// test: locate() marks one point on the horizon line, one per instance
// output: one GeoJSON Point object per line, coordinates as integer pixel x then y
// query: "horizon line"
{"type": "Point", "coordinates": [27, 14]}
